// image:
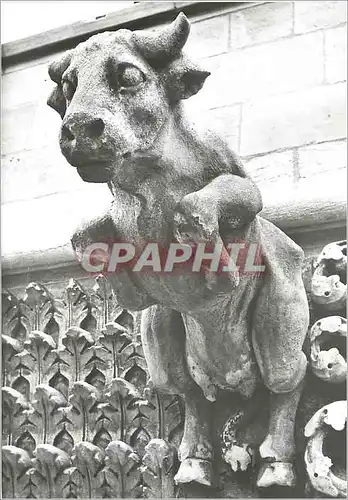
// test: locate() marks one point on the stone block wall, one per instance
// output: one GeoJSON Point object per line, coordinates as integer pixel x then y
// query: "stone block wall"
{"type": "Point", "coordinates": [276, 92]}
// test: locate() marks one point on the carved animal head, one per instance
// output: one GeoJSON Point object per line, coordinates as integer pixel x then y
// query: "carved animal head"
{"type": "Point", "coordinates": [115, 93]}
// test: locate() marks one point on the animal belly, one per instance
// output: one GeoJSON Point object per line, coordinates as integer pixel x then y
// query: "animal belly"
{"type": "Point", "coordinates": [220, 355]}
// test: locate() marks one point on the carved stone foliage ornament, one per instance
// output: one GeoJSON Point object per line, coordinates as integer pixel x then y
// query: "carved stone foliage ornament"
{"type": "Point", "coordinates": [78, 417]}
{"type": "Point", "coordinates": [103, 430]}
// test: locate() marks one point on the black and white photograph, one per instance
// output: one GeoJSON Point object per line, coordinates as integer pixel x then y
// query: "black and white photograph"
{"type": "Point", "coordinates": [173, 249]}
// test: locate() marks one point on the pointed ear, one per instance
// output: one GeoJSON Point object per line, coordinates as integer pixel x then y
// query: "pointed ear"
{"type": "Point", "coordinates": [57, 67]}
{"type": "Point", "coordinates": [185, 79]}
{"type": "Point", "coordinates": [56, 99]}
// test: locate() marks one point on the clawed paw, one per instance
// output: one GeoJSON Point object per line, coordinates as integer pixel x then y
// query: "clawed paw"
{"type": "Point", "coordinates": [239, 456]}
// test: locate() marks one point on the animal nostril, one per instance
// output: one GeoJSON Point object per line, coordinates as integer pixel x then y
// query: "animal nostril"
{"type": "Point", "coordinates": [67, 134]}
{"type": "Point", "coordinates": [95, 128]}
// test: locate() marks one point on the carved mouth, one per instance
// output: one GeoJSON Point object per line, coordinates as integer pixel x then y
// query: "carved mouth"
{"type": "Point", "coordinates": [95, 171]}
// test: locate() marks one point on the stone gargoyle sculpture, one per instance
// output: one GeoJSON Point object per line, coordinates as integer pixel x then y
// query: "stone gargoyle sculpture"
{"type": "Point", "coordinates": [120, 95]}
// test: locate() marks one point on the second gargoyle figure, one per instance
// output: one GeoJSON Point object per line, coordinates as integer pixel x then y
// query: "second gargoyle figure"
{"type": "Point", "coordinates": [120, 95]}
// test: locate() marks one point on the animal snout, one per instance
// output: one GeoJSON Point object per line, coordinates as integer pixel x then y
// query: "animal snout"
{"type": "Point", "coordinates": [81, 126]}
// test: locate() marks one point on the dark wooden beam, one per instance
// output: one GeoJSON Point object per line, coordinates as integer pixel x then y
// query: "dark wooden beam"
{"type": "Point", "coordinates": [136, 17]}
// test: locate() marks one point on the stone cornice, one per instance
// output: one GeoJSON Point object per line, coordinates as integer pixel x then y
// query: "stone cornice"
{"type": "Point", "coordinates": [293, 217]}
{"type": "Point", "coordinates": [139, 16]}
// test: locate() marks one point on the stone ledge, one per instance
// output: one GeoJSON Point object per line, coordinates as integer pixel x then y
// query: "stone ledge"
{"type": "Point", "coordinates": [132, 18]}
{"type": "Point", "coordinates": [294, 216]}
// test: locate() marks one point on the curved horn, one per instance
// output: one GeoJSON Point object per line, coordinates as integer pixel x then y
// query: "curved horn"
{"type": "Point", "coordinates": [168, 43]}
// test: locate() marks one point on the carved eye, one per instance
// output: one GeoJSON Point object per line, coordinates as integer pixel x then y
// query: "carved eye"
{"type": "Point", "coordinates": [130, 76]}
{"type": "Point", "coordinates": [68, 89]}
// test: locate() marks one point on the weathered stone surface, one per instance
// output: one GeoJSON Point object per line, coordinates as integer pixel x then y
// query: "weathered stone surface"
{"type": "Point", "coordinates": [323, 164]}
{"type": "Point", "coordinates": [328, 363]}
{"type": "Point", "coordinates": [260, 23]}
{"type": "Point", "coordinates": [52, 175]}
{"type": "Point", "coordinates": [179, 321]}
{"type": "Point", "coordinates": [329, 287]}
{"type": "Point", "coordinates": [315, 15]}
{"type": "Point", "coordinates": [46, 426]}
{"type": "Point", "coordinates": [320, 159]}
{"type": "Point", "coordinates": [313, 115]}
{"type": "Point", "coordinates": [36, 85]}
{"type": "Point", "coordinates": [50, 211]}
{"type": "Point", "coordinates": [321, 468]}
{"type": "Point", "coordinates": [95, 386]}
{"type": "Point", "coordinates": [208, 37]}
{"type": "Point", "coordinates": [15, 463]}
{"type": "Point", "coordinates": [226, 122]}
{"type": "Point", "coordinates": [336, 54]}
{"type": "Point", "coordinates": [17, 127]}
{"type": "Point", "coordinates": [44, 129]}
{"type": "Point", "coordinates": [142, 465]}
{"type": "Point", "coordinates": [264, 70]}
{"type": "Point", "coordinates": [272, 171]}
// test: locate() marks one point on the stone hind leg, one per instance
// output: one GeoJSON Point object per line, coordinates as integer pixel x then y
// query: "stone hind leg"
{"type": "Point", "coordinates": [278, 449]}
{"type": "Point", "coordinates": [164, 338]}
{"type": "Point", "coordinates": [280, 324]}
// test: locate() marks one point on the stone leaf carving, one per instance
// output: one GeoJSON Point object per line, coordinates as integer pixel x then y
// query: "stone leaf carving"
{"type": "Point", "coordinates": [163, 415]}
{"type": "Point", "coordinates": [38, 355]}
{"type": "Point", "coordinates": [159, 468]}
{"type": "Point", "coordinates": [122, 472]}
{"type": "Point", "coordinates": [64, 440]}
{"type": "Point", "coordinates": [47, 401]}
{"type": "Point", "coordinates": [76, 341]}
{"type": "Point", "coordinates": [329, 287]}
{"type": "Point", "coordinates": [49, 463]}
{"type": "Point", "coordinates": [15, 323]}
{"type": "Point", "coordinates": [328, 364]}
{"type": "Point", "coordinates": [89, 462]}
{"type": "Point", "coordinates": [43, 310]}
{"type": "Point", "coordinates": [80, 308]}
{"type": "Point", "coordinates": [82, 411]}
{"type": "Point", "coordinates": [14, 409]}
{"type": "Point", "coordinates": [319, 467]}
{"type": "Point", "coordinates": [108, 308]}
{"type": "Point", "coordinates": [115, 338]}
{"type": "Point", "coordinates": [96, 364]}
{"type": "Point", "coordinates": [120, 407]}
{"type": "Point", "coordinates": [10, 347]}
{"type": "Point", "coordinates": [135, 370]}
{"type": "Point", "coordinates": [59, 380]}
{"type": "Point", "coordinates": [15, 463]}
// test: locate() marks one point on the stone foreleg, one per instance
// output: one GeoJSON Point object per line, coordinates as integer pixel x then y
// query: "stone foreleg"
{"type": "Point", "coordinates": [163, 336]}
{"type": "Point", "coordinates": [279, 327]}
